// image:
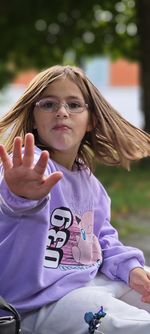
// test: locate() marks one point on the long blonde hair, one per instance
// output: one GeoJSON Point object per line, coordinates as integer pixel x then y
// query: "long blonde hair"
{"type": "Point", "coordinates": [112, 140]}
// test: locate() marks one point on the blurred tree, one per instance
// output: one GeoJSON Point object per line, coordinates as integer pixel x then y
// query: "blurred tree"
{"type": "Point", "coordinates": [40, 33]}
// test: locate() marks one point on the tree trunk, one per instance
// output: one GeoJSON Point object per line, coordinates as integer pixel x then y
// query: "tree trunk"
{"type": "Point", "coordinates": [143, 12]}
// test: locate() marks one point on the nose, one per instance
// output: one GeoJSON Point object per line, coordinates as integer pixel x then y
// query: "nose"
{"type": "Point", "coordinates": [62, 111]}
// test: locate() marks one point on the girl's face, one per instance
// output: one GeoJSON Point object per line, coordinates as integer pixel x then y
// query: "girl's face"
{"type": "Point", "coordinates": [59, 129]}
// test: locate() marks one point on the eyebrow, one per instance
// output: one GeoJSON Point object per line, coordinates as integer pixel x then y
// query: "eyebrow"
{"type": "Point", "coordinates": [57, 97]}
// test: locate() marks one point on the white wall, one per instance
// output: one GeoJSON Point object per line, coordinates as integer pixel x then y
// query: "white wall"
{"type": "Point", "coordinates": [125, 100]}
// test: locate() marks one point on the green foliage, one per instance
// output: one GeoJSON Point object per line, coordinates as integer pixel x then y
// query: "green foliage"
{"type": "Point", "coordinates": [130, 196]}
{"type": "Point", "coordinates": [41, 33]}
{"type": "Point", "coordinates": [37, 33]}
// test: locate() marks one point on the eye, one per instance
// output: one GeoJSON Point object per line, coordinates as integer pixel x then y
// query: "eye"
{"type": "Point", "coordinates": [47, 104]}
{"type": "Point", "coordinates": [74, 105]}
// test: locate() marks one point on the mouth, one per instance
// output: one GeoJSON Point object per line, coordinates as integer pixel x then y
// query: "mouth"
{"type": "Point", "coordinates": [61, 127]}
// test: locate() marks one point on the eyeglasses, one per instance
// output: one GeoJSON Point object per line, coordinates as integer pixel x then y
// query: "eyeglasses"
{"type": "Point", "coordinates": [73, 107]}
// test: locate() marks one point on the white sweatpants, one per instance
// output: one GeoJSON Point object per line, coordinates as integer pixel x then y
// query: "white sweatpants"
{"type": "Point", "coordinates": [126, 314]}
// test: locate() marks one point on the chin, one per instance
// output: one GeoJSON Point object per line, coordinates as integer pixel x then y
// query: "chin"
{"type": "Point", "coordinates": [62, 146]}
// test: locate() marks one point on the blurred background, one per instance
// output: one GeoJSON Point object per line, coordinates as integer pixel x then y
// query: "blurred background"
{"type": "Point", "coordinates": [109, 40]}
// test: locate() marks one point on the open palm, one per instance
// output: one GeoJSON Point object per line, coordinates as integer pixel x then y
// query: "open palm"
{"type": "Point", "coordinates": [23, 177]}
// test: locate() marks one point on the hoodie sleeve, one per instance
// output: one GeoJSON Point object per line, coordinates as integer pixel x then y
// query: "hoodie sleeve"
{"type": "Point", "coordinates": [16, 204]}
{"type": "Point", "coordinates": [118, 259]}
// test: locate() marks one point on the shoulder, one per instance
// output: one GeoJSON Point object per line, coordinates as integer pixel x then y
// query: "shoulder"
{"type": "Point", "coordinates": [96, 186]}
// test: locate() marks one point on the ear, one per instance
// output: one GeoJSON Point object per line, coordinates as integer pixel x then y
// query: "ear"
{"type": "Point", "coordinates": [34, 126]}
{"type": "Point", "coordinates": [92, 123]}
{"type": "Point", "coordinates": [90, 126]}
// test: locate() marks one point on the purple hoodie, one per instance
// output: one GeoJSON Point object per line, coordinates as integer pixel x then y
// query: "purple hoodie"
{"type": "Point", "coordinates": [51, 246]}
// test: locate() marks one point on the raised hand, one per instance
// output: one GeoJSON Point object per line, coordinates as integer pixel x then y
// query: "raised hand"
{"type": "Point", "coordinates": [23, 177]}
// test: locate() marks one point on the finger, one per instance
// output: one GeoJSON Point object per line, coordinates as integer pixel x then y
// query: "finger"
{"type": "Point", "coordinates": [40, 166]}
{"type": "Point", "coordinates": [138, 288]}
{"type": "Point", "coordinates": [52, 180]}
{"type": "Point", "coordinates": [143, 287]}
{"type": "Point", "coordinates": [29, 150]}
{"type": "Point", "coordinates": [145, 280]}
{"type": "Point", "coordinates": [148, 274]}
{"type": "Point", "coordinates": [17, 152]}
{"type": "Point", "coordinates": [147, 286]}
{"type": "Point", "coordinates": [146, 299]}
{"type": "Point", "coordinates": [7, 163]}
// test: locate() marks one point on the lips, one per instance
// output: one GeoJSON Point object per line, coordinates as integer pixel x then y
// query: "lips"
{"type": "Point", "coordinates": [61, 127]}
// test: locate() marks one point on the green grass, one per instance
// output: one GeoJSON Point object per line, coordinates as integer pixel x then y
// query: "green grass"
{"type": "Point", "coordinates": [130, 195]}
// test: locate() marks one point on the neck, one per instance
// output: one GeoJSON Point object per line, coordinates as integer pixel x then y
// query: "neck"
{"type": "Point", "coordinates": [64, 159]}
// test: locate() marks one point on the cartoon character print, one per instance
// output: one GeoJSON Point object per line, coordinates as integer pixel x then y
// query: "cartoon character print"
{"type": "Point", "coordinates": [70, 241]}
{"type": "Point", "coordinates": [88, 250]}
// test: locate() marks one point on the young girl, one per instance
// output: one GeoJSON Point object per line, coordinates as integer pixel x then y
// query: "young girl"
{"type": "Point", "coordinates": [59, 255]}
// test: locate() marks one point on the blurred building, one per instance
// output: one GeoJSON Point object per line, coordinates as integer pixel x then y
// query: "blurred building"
{"type": "Point", "coordinates": [120, 73]}
{"type": "Point", "coordinates": [118, 81]}
{"type": "Point", "coordinates": [24, 77]}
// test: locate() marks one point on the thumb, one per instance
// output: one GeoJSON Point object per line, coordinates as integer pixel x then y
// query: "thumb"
{"type": "Point", "coordinates": [52, 180]}
{"type": "Point", "coordinates": [147, 281]}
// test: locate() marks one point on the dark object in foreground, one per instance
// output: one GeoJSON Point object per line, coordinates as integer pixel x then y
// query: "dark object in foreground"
{"type": "Point", "coordinates": [93, 319]}
{"type": "Point", "coordinates": [9, 324]}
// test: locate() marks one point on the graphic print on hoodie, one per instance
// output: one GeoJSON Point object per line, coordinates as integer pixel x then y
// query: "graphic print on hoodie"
{"type": "Point", "coordinates": [71, 242]}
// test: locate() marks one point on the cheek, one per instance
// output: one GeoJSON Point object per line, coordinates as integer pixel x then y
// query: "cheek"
{"type": "Point", "coordinates": [42, 129]}
{"type": "Point", "coordinates": [40, 123]}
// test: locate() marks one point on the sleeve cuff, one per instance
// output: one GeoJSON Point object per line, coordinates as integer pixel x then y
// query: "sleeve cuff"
{"type": "Point", "coordinates": [125, 267]}
{"type": "Point", "coordinates": [16, 203]}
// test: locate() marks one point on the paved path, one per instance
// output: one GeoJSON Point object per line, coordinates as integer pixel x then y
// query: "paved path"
{"type": "Point", "coordinates": [141, 238]}
{"type": "Point", "coordinates": [142, 242]}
